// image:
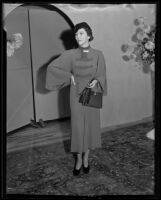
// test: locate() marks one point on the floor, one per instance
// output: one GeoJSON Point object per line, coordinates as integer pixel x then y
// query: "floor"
{"type": "Point", "coordinates": [39, 162]}
{"type": "Point", "coordinates": [28, 136]}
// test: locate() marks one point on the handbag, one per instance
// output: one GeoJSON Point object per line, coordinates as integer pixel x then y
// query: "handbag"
{"type": "Point", "coordinates": [91, 98]}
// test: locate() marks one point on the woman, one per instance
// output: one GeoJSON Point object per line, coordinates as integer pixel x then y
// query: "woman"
{"type": "Point", "coordinates": [78, 67]}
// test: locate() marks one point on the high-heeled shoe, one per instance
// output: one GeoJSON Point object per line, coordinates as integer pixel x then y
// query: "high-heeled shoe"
{"type": "Point", "coordinates": [76, 172]}
{"type": "Point", "coordinates": [86, 169]}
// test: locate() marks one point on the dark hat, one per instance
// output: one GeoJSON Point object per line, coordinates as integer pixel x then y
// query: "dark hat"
{"type": "Point", "coordinates": [85, 26]}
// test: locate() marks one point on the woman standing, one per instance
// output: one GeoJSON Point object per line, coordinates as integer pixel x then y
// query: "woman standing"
{"type": "Point", "coordinates": [78, 67]}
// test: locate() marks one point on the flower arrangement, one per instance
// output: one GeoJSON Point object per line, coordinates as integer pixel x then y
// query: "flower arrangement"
{"type": "Point", "coordinates": [143, 51]}
{"type": "Point", "coordinates": [14, 43]}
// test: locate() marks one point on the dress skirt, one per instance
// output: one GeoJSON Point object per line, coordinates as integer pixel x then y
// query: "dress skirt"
{"type": "Point", "coordinates": [85, 124]}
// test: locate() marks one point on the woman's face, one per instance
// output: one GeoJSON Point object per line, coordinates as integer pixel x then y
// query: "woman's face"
{"type": "Point", "coordinates": [82, 38]}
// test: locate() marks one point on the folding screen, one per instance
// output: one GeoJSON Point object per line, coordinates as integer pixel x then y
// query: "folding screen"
{"type": "Point", "coordinates": [50, 35]}
{"type": "Point", "coordinates": [46, 33]}
{"type": "Point", "coordinates": [19, 84]}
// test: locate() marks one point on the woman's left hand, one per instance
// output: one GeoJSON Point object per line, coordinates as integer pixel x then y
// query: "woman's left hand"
{"type": "Point", "coordinates": [92, 84]}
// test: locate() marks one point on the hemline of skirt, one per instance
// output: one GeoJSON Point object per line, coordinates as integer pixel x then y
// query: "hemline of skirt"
{"type": "Point", "coordinates": [83, 151]}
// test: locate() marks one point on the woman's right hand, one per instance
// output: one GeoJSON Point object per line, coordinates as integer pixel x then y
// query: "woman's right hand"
{"type": "Point", "coordinates": [73, 80]}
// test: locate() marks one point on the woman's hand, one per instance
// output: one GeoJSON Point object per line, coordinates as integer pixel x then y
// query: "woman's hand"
{"type": "Point", "coordinates": [92, 84]}
{"type": "Point", "coordinates": [73, 80]}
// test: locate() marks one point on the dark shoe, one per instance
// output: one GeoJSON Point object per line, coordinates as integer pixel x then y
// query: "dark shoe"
{"type": "Point", "coordinates": [76, 172]}
{"type": "Point", "coordinates": [86, 169]}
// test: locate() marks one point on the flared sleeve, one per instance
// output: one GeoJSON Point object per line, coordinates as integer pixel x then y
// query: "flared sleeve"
{"type": "Point", "coordinates": [101, 72]}
{"type": "Point", "coordinates": [58, 72]}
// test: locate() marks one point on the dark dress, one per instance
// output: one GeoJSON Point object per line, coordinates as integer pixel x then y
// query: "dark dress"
{"type": "Point", "coordinates": [85, 121]}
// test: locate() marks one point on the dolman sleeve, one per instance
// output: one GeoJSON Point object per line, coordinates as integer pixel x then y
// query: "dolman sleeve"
{"type": "Point", "coordinates": [101, 72]}
{"type": "Point", "coordinates": [59, 72]}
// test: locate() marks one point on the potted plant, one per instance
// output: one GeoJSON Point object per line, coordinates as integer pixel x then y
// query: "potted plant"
{"type": "Point", "coordinates": [142, 52]}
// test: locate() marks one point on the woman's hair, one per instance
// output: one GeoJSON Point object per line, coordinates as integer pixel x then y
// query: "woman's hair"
{"type": "Point", "coordinates": [87, 28]}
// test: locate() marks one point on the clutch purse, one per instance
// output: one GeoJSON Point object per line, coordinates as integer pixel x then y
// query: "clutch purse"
{"type": "Point", "coordinates": [91, 98]}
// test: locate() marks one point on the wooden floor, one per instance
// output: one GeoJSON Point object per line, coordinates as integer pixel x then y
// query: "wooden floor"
{"type": "Point", "coordinates": [53, 132]}
{"type": "Point", "coordinates": [28, 136]}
